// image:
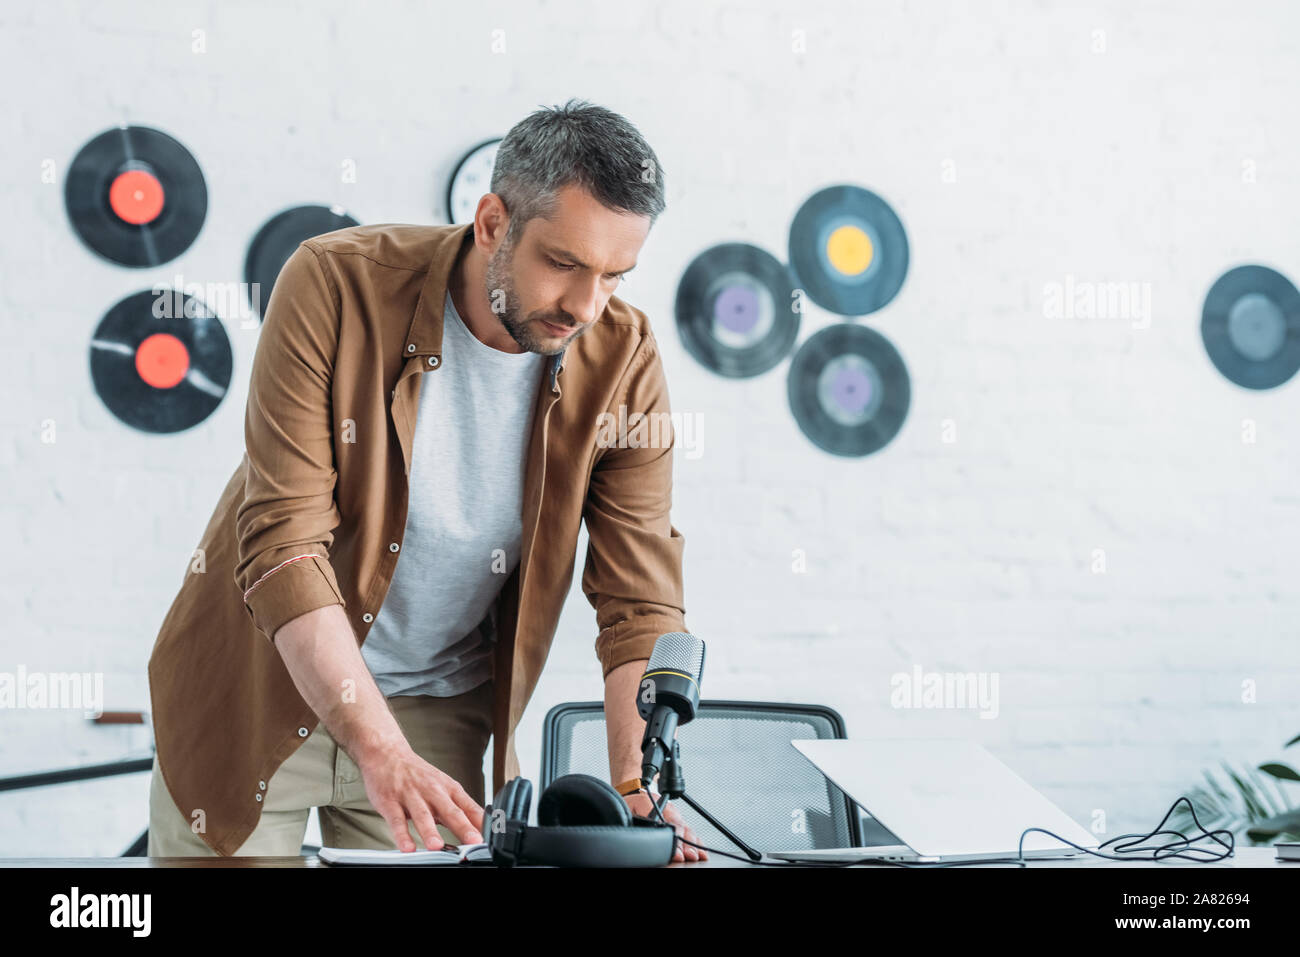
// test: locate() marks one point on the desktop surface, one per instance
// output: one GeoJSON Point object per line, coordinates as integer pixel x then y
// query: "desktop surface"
{"type": "Point", "coordinates": [1243, 857]}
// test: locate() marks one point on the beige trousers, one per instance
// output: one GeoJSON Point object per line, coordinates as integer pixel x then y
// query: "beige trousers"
{"type": "Point", "coordinates": [450, 733]}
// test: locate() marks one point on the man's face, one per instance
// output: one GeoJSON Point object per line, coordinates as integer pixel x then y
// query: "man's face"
{"type": "Point", "coordinates": [552, 284]}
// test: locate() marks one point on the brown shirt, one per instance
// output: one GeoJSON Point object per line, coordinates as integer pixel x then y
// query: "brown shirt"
{"type": "Point", "coordinates": [315, 512]}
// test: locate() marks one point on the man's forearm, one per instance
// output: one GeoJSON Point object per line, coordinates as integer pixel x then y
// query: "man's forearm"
{"type": "Point", "coordinates": [320, 650]}
{"type": "Point", "coordinates": [623, 722]}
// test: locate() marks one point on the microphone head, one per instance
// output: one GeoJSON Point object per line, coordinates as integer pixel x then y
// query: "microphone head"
{"type": "Point", "coordinates": [672, 677]}
{"type": "Point", "coordinates": [678, 651]}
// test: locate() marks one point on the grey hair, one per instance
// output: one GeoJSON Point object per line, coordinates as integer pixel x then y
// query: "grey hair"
{"type": "Point", "coordinates": [580, 143]}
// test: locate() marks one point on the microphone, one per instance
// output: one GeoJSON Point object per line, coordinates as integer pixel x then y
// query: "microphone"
{"type": "Point", "coordinates": [667, 697]}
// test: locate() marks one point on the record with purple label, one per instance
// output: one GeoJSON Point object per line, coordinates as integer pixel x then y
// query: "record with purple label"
{"type": "Point", "coordinates": [736, 310]}
{"type": "Point", "coordinates": [136, 196]}
{"type": "Point", "coordinates": [848, 250]}
{"type": "Point", "coordinates": [849, 390]}
{"type": "Point", "coordinates": [277, 240]}
{"type": "Point", "coordinates": [160, 362]}
{"type": "Point", "coordinates": [1250, 325]}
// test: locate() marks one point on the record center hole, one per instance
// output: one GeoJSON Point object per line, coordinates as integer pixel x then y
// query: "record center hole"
{"type": "Point", "coordinates": [162, 360]}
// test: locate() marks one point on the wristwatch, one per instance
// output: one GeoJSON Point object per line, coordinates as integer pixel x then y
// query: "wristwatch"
{"type": "Point", "coordinates": [628, 787]}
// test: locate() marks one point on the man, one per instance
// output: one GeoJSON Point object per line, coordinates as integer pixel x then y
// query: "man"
{"type": "Point", "coordinates": [407, 399]}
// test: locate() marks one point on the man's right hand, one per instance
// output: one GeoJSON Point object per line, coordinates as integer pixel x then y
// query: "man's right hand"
{"type": "Point", "coordinates": [324, 657]}
{"type": "Point", "coordinates": [402, 787]}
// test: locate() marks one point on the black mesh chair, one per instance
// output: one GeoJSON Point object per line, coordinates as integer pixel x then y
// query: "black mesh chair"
{"type": "Point", "coordinates": [739, 765]}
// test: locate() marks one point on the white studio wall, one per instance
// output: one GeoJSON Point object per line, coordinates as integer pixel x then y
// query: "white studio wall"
{"type": "Point", "coordinates": [1077, 507]}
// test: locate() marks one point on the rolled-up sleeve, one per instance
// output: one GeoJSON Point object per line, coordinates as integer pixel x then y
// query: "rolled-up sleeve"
{"type": "Point", "coordinates": [285, 522]}
{"type": "Point", "coordinates": [633, 570]}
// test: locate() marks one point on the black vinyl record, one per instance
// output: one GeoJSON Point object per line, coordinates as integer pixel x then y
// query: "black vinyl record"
{"type": "Point", "coordinates": [848, 250]}
{"type": "Point", "coordinates": [1250, 325]}
{"type": "Point", "coordinates": [849, 390]}
{"type": "Point", "coordinates": [160, 362]}
{"type": "Point", "coordinates": [136, 196]}
{"type": "Point", "coordinates": [736, 310]}
{"type": "Point", "coordinates": [277, 240]}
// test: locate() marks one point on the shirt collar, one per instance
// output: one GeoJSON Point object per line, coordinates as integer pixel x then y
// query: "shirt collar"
{"type": "Point", "coordinates": [424, 335]}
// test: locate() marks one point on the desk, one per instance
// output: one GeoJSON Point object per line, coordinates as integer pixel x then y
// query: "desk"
{"type": "Point", "coordinates": [1250, 857]}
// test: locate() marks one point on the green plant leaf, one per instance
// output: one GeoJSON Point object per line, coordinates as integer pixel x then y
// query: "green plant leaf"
{"type": "Point", "coordinates": [1286, 823]}
{"type": "Point", "coordinates": [1249, 796]}
{"type": "Point", "coordinates": [1280, 771]}
{"type": "Point", "coordinates": [1292, 741]}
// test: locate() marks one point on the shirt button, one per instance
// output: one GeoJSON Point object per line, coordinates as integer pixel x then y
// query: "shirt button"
{"type": "Point", "coordinates": [262, 785]}
{"type": "Point", "coordinates": [367, 617]}
{"type": "Point", "coordinates": [257, 797]}
{"type": "Point", "coordinates": [394, 547]}
{"type": "Point", "coordinates": [411, 347]}
{"type": "Point", "coordinates": [433, 361]}
{"type": "Point", "coordinates": [303, 732]}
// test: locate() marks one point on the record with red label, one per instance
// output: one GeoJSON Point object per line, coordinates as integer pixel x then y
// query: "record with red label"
{"type": "Point", "coordinates": [1250, 325]}
{"type": "Point", "coordinates": [849, 390]}
{"type": "Point", "coordinates": [160, 361]}
{"type": "Point", "coordinates": [136, 196]}
{"type": "Point", "coordinates": [736, 310]}
{"type": "Point", "coordinates": [848, 250]}
{"type": "Point", "coordinates": [276, 241]}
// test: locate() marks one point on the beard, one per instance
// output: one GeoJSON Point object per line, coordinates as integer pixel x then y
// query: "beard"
{"type": "Point", "coordinates": [527, 331]}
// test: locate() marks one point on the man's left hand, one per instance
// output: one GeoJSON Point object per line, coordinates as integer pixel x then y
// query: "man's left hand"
{"type": "Point", "coordinates": [640, 803]}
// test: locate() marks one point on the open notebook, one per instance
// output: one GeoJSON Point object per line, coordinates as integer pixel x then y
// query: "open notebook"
{"type": "Point", "coordinates": [448, 854]}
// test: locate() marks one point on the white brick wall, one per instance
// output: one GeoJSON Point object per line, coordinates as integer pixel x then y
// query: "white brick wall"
{"type": "Point", "coordinates": [1071, 434]}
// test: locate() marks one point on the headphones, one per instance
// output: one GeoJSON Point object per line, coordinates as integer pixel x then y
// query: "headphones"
{"type": "Point", "coordinates": [582, 822]}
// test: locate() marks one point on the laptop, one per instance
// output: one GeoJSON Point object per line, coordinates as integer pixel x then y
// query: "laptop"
{"type": "Point", "coordinates": [943, 800]}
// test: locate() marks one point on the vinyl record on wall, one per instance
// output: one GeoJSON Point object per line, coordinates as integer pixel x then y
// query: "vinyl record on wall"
{"type": "Point", "coordinates": [136, 196]}
{"type": "Point", "coordinates": [849, 390]}
{"type": "Point", "coordinates": [277, 240]}
{"type": "Point", "coordinates": [848, 250]}
{"type": "Point", "coordinates": [735, 310]}
{"type": "Point", "coordinates": [160, 362]}
{"type": "Point", "coordinates": [471, 179]}
{"type": "Point", "coordinates": [1250, 325]}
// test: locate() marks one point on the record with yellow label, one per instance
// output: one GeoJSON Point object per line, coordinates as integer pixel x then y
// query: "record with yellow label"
{"type": "Point", "coordinates": [848, 250]}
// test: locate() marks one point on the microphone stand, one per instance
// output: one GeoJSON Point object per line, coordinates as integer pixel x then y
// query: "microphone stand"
{"type": "Point", "coordinates": [672, 785]}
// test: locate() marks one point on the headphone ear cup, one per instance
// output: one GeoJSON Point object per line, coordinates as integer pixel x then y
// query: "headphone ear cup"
{"type": "Point", "coordinates": [512, 801]}
{"type": "Point", "coordinates": [582, 799]}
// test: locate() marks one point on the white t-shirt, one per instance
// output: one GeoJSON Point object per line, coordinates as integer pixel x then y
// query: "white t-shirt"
{"type": "Point", "coordinates": [464, 521]}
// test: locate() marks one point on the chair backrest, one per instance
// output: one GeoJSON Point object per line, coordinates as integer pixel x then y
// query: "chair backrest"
{"type": "Point", "coordinates": [738, 764]}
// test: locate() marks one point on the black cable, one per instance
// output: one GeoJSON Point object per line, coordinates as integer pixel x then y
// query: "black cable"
{"type": "Point", "coordinates": [1160, 852]}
